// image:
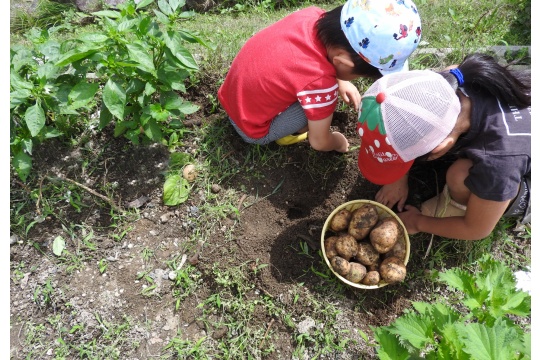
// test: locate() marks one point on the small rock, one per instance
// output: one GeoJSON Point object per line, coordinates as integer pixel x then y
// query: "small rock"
{"type": "Point", "coordinates": [166, 217]}
{"type": "Point", "coordinates": [154, 232]}
{"type": "Point", "coordinates": [215, 188]}
{"type": "Point", "coordinates": [172, 275]}
{"type": "Point", "coordinates": [13, 239]}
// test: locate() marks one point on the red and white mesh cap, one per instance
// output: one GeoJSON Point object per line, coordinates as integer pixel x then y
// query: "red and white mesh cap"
{"type": "Point", "coordinates": [403, 116]}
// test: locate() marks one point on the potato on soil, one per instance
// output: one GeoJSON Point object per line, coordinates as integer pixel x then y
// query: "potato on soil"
{"type": "Point", "coordinates": [371, 278]}
{"type": "Point", "coordinates": [392, 270]}
{"type": "Point", "coordinates": [330, 246]}
{"type": "Point", "coordinates": [346, 246]}
{"type": "Point", "coordinates": [385, 234]}
{"type": "Point", "coordinates": [356, 273]}
{"type": "Point", "coordinates": [340, 265]}
{"type": "Point", "coordinates": [366, 255]}
{"type": "Point", "coordinates": [341, 220]}
{"type": "Point", "coordinates": [362, 221]}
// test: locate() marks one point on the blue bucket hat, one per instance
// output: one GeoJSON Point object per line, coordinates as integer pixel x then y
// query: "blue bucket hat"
{"type": "Point", "coordinates": [383, 32]}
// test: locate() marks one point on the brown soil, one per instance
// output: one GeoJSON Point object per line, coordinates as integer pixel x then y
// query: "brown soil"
{"type": "Point", "coordinates": [268, 230]}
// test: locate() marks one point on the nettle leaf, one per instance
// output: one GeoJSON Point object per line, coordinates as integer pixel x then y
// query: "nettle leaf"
{"type": "Point", "coordinates": [114, 97]}
{"type": "Point", "coordinates": [142, 55]}
{"type": "Point", "coordinates": [59, 244]}
{"type": "Point", "coordinates": [35, 119]}
{"type": "Point", "coordinates": [144, 3]}
{"type": "Point", "coordinates": [443, 315]}
{"type": "Point", "coordinates": [22, 164]}
{"type": "Point", "coordinates": [82, 94]}
{"type": "Point", "coordinates": [389, 346]}
{"type": "Point", "coordinates": [485, 343]}
{"type": "Point", "coordinates": [414, 328]}
{"type": "Point", "coordinates": [175, 190]}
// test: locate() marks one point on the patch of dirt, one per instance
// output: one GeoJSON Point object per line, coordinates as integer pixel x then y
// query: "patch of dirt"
{"type": "Point", "coordinates": [268, 231]}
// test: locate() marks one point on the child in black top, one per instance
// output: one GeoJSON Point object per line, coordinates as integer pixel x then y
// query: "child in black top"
{"type": "Point", "coordinates": [479, 112]}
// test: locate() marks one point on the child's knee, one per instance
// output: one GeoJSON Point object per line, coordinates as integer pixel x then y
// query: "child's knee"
{"type": "Point", "coordinates": [457, 173]}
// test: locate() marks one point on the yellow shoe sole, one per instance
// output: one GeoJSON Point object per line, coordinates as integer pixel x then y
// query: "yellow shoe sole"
{"type": "Point", "coordinates": [292, 139]}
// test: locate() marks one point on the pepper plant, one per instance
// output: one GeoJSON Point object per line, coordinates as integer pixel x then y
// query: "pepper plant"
{"type": "Point", "coordinates": [142, 59]}
{"type": "Point", "coordinates": [484, 328]}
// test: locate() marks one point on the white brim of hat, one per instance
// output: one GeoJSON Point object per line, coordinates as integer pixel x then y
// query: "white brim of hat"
{"type": "Point", "coordinates": [396, 69]}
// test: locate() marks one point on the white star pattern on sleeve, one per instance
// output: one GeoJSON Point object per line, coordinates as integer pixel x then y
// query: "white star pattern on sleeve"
{"type": "Point", "coordinates": [329, 95]}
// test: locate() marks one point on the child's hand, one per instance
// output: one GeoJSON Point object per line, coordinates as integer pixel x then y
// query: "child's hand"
{"type": "Point", "coordinates": [349, 93]}
{"type": "Point", "coordinates": [394, 193]}
{"type": "Point", "coordinates": [409, 217]}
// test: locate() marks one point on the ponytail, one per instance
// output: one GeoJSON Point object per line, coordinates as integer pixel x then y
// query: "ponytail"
{"type": "Point", "coordinates": [482, 73]}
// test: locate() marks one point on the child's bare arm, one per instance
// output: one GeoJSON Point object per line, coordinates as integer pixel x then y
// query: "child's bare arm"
{"type": "Point", "coordinates": [321, 139]}
{"type": "Point", "coordinates": [479, 220]}
{"type": "Point", "coordinates": [349, 93]}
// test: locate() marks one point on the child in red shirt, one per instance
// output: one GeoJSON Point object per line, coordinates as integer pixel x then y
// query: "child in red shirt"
{"type": "Point", "coordinates": [286, 78]}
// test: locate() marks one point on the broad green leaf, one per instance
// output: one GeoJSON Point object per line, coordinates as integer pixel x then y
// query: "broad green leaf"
{"type": "Point", "coordinates": [173, 41]}
{"type": "Point", "coordinates": [179, 159]}
{"type": "Point", "coordinates": [128, 24]}
{"type": "Point", "coordinates": [123, 126]}
{"type": "Point", "coordinates": [389, 346]}
{"type": "Point", "coordinates": [59, 244]}
{"type": "Point", "coordinates": [105, 117]}
{"type": "Point", "coordinates": [135, 86]}
{"type": "Point", "coordinates": [74, 55]}
{"type": "Point", "coordinates": [175, 79]}
{"type": "Point", "coordinates": [22, 164]}
{"type": "Point", "coordinates": [107, 13]}
{"type": "Point", "coordinates": [188, 108]}
{"type": "Point", "coordinates": [51, 49]}
{"type": "Point", "coordinates": [176, 4]}
{"type": "Point", "coordinates": [175, 190]}
{"type": "Point", "coordinates": [158, 112]}
{"type": "Point", "coordinates": [162, 18]}
{"type": "Point", "coordinates": [114, 97]}
{"type": "Point", "coordinates": [153, 131]}
{"type": "Point", "coordinates": [190, 37]}
{"type": "Point", "coordinates": [414, 328]}
{"type": "Point", "coordinates": [82, 94]}
{"type": "Point", "coordinates": [17, 82]}
{"type": "Point", "coordinates": [47, 71]}
{"type": "Point", "coordinates": [149, 89]}
{"type": "Point", "coordinates": [27, 146]}
{"type": "Point", "coordinates": [93, 37]}
{"type": "Point", "coordinates": [170, 100]}
{"type": "Point", "coordinates": [144, 3]}
{"type": "Point", "coordinates": [518, 303]}
{"type": "Point", "coordinates": [35, 119]}
{"type": "Point", "coordinates": [51, 132]}
{"type": "Point", "coordinates": [18, 97]}
{"type": "Point", "coordinates": [143, 56]}
{"type": "Point", "coordinates": [484, 343]}
{"type": "Point", "coordinates": [133, 136]}
{"type": "Point", "coordinates": [165, 7]}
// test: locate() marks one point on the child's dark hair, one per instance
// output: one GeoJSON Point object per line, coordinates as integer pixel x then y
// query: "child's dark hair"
{"type": "Point", "coordinates": [482, 73]}
{"type": "Point", "coordinates": [329, 32]}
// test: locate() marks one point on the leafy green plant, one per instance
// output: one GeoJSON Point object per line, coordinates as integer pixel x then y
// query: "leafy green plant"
{"type": "Point", "coordinates": [485, 330]}
{"type": "Point", "coordinates": [143, 62]}
{"type": "Point", "coordinates": [176, 188]}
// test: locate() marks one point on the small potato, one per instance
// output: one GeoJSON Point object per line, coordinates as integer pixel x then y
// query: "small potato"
{"type": "Point", "coordinates": [341, 220]}
{"type": "Point", "coordinates": [330, 246]}
{"type": "Point", "coordinates": [385, 234]}
{"type": "Point", "coordinates": [362, 221]}
{"type": "Point", "coordinates": [392, 270]}
{"type": "Point", "coordinates": [371, 278]}
{"type": "Point", "coordinates": [189, 173]}
{"type": "Point", "coordinates": [356, 273]}
{"type": "Point", "coordinates": [366, 255]}
{"type": "Point", "coordinates": [399, 249]}
{"type": "Point", "coordinates": [340, 265]}
{"type": "Point", "coordinates": [346, 246]}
